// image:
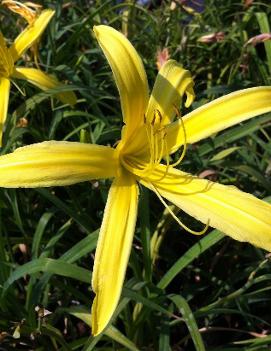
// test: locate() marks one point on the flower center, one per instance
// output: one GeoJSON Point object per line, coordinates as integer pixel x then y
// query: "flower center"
{"type": "Point", "coordinates": [156, 149]}
{"type": "Point", "coordinates": [145, 167]}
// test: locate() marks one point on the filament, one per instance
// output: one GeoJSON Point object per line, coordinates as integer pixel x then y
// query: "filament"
{"type": "Point", "coordinates": [203, 231]}
{"type": "Point", "coordinates": [158, 147]}
{"type": "Point", "coordinates": [165, 145]}
{"type": "Point", "coordinates": [185, 139]}
{"type": "Point", "coordinates": [162, 148]}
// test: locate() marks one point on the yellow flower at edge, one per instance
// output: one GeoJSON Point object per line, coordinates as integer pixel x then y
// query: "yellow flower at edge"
{"type": "Point", "coordinates": [8, 70]}
{"type": "Point", "coordinates": [149, 135]}
{"type": "Point", "coordinates": [30, 12]}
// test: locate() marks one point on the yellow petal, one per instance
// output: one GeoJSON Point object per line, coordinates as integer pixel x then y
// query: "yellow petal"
{"type": "Point", "coordinates": [4, 97]}
{"type": "Point", "coordinates": [171, 84]}
{"type": "Point", "coordinates": [237, 214]}
{"type": "Point", "coordinates": [44, 82]}
{"type": "Point", "coordinates": [54, 163]}
{"type": "Point", "coordinates": [129, 75]}
{"type": "Point", "coordinates": [6, 61]}
{"type": "Point", "coordinates": [113, 249]}
{"type": "Point", "coordinates": [30, 34]}
{"type": "Point", "coordinates": [219, 114]}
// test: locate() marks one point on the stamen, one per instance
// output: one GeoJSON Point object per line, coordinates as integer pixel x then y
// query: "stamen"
{"type": "Point", "coordinates": [153, 136]}
{"type": "Point", "coordinates": [185, 139]}
{"type": "Point", "coordinates": [158, 147]}
{"type": "Point", "coordinates": [159, 115]}
{"type": "Point", "coordinates": [164, 144]}
{"type": "Point", "coordinates": [167, 160]}
{"type": "Point", "coordinates": [149, 134]}
{"type": "Point", "coordinates": [162, 147]}
{"type": "Point", "coordinates": [157, 132]}
{"type": "Point", "coordinates": [156, 150]}
{"type": "Point", "coordinates": [203, 231]}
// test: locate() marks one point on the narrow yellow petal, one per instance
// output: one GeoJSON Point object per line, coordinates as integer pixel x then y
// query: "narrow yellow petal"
{"type": "Point", "coordinates": [31, 34]}
{"type": "Point", "coordinates": [129, 75]}
{"type": "Point", "coordinates": [171, 84]}
{"type": "Point", "coordinates": [237, 214]}
{"type": "Point", "coordinates": [54, 163]}
{"type": "Point", "coordinates": [44, 82]}
{"type": "Point", "coordinates": [219, 114]}
{"type": "Point", "coordinates": [113, 249]}
{"type": "Point", "coordinates": [4, 98]}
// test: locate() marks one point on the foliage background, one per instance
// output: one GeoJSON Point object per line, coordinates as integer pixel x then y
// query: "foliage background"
{"type": "Point", "coordinates": [194, 293]}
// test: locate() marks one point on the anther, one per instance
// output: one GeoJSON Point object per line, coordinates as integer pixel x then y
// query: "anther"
{"type": "Point", "coordinates": [159, 115]}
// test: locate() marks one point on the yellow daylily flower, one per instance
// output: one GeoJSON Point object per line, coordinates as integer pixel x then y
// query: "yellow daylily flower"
{"type": "Point", "coordinates": [30, 12]}
{"type": "Point", "coordinates": [148, 136]}
{"type": "Point", "coordinates": [8, 70]}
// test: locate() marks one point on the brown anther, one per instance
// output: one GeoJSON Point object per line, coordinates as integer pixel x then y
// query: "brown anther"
{"type": "Point", "coordinates": [153, 120]}
{"type": "Point", "coordinates": [160, 115]}
{"type": "Point", "coordinates": [177, 112]}
{"type": "Point", "coordinates": [160, 130]}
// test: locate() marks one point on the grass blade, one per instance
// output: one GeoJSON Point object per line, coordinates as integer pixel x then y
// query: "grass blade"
{"type": "Point", "coordinates": [112, 332]}
{"type": "Point", "coordinates": [190, 321]}
{"type": "Point", "coordinates": [204, 244]}
{"type": "Point", "coordinates": [49, 265]}
{"type": "Point", "coordinates": [265, 28]}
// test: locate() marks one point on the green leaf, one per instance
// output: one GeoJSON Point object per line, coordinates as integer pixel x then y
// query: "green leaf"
{"type": "Point", "coordinates": [233, 134]}
{"type": "Point", "coordinates": [144, 216]}
{"type": "Point", "coordinates": [55, 334]}
{"type": "Point", "coordinates": [194, 252]}
{"type": "Point", "coordinates": [83, 313]}
{"type": "Point", "coordinates": [65, 208]}
{"type": "Point", "coordinates": [145, 301]}
{"type": "Point", "coordinates": [45, 218]}
{"type": "Point", "coordinates": [224, 153]}
{"type": "Point", "coordinates": [49, 265]}
{"type": "Point", "coordinates": [189, 320]}
{"type": "Point", "coordinates": [257, 175]}
{"type": "Point", "coordinates": [265, 28]}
